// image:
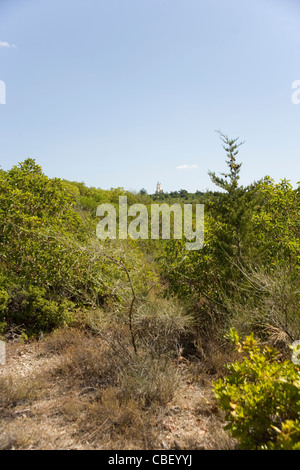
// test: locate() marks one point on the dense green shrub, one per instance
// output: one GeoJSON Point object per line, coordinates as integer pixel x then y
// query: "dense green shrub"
{"type": "Point", "coordinates": [261, 398]}
{"type": "Point", "coordinates": [3, 300]}
{"type": "Point", "coordinates": [32, 309]}
{"type": "Point", "coordinates": [50, 258]}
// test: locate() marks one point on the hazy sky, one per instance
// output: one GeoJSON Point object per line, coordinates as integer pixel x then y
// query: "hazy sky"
{"type": "Point", "coordinates": [122, 92]}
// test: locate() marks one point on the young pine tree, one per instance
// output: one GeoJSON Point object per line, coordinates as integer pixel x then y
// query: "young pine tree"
{"type": "Point", "coordinates": [230, 210]}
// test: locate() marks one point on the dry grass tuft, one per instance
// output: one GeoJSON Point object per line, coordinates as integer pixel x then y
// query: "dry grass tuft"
{"type": "Point", "coordinates": [87, 389]}
{"type": "Point", "coordinates": [18, 391]}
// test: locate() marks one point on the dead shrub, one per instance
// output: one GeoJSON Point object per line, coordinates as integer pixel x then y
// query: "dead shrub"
{"type": "Point", "coordinates": [213, 356]}
{"type": "Point", "coordinates": [162, 327]}
{"type": "Point", "coordinates": [16, 391]}
{"type": "Point", "coordinates": [89, 362]}
{"type": "Point", "coordinates": [60, 340]}
{"type": "Point", "coordinates": [108, 360]}
{"type": "Point", "coordinates": [117, 423]}
{"type": "Point", "coordinates": [267, 303]}
{"type": "Point", "coordinates": [151, 381]}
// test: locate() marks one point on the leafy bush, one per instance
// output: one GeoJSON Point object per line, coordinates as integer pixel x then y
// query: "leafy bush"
{"type": "Point", "coordinates": [50, 258]}
{"type": "Point", "coordinates": [261, 398]}
{"type": "Point", "coordinates": [36, 312]}
{"type": "Point", "coordinates": [3, 299]}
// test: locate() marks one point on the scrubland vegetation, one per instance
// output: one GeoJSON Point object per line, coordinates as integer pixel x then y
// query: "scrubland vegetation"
{"type": "Point", "coordinates": [127, 344]}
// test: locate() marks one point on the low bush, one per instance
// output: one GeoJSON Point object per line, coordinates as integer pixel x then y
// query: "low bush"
{"type": "Point", "coordinates": [261, 397]}
{"type": "Point", "coordinates": [33, 308]}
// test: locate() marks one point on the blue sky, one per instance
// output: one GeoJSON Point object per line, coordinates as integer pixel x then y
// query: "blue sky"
{"type": "Point", "coordinates": [122, 92]}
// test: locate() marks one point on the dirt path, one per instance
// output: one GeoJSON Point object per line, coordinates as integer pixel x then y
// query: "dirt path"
{"type": "Point", "coordinates": [35, 425]}
{"type": "Point", "coordinates": [193, 421]}
{"type": "Point", "coordinates": [190, 421]}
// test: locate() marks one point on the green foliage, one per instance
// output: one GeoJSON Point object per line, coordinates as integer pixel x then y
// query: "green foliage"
{"type": "Point", "coordinates": [261, 398]}
{"type": "Point", "coordinates": [277, 224]}
{"type": "Point", "coordinates": [202, 277]}
{"type": "Point", "coordinates": [36, 312]}
{"type": "Point", "coordinates": [34, 266]}
{"type": "Point", "coordinates": [3, 300]}
{"type": "Point", "coordinates": [231, 213]}
{"type": "Point", "coordinates": [288, 437]}
{"type": "Point", "coordinates": [50, 258]}
{"type": "Point", "coordinates": [230, 183]}
{"type": "Point", "coordinates": [3, 305]}
{"type": "Point", "coordinates": [53, 268]}
{"type": "Point", "coordinates": [247, 272]}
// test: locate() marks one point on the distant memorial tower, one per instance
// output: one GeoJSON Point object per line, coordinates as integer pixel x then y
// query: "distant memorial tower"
{"type": "Point", "coordinates": [158, 188]}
